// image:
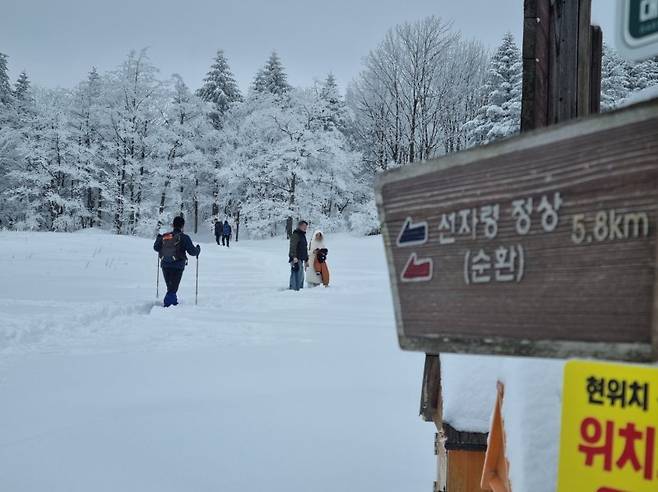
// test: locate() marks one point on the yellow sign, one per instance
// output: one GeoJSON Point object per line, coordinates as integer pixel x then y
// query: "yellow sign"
{"type": "Point", "coordinates": [609, 438]}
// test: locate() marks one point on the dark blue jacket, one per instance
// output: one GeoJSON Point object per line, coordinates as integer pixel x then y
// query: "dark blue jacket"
{"type": "Point", "coordinates": [227, 229]}
{"type": "Point", "coordinates": [188, 248]}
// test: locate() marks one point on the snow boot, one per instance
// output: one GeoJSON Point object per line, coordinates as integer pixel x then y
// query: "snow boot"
{"type": "Point", "coordinates": [169, 299]}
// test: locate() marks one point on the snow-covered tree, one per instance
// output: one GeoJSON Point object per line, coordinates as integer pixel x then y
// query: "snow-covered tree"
{"type": "Point", "coordinates": [461, 94]}
{"type": "Point", "coordinates": [219, 88]}
{"type": "Point", "coordinates": [135, 98]}
{"type": "Point", "coordinates": [414, 94]}
{"type": "Point", "coordinates": [5, 84]}
{"type": "Point", "coordinates": [335, 111]}
{"type": "Point", "coordinates": [272, 77]}
{"type": "Point", "coordinates": [22, 93]}
{"type": "Point", "coordinates": [642, 75]}
{"type": "Point", "coordinates": [500, 115]}
{"type": "Point", "coordinates": [10, 135]}
{"type": "Point", "coordinates": [49, 188]}
{"type": "Point", "coordinates": [126, 151]}
{"type": "Point", "coordinates": [22, 87]}
{"type": "Point", "coordinates": [615, 83]}
{"type": "Point", "coordinates": [287, 163]}
{"type": "Point", "coordinates": [184, 162]}
{"type": "Point", "coordinates": [90, 146]}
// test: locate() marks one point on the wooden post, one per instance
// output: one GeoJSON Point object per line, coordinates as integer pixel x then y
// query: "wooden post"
{"type": "Point", "coordinates": [534, 113]}
{"type": "Point", "coordinates": [561, 62]}
{"type": "Point", "coordinates": [460, 455]}
{"type": "Point", "coordinates": [596, 36]}
{"type": "Point", "coordinates": [584, 60]}
{"type": "Point", "coordinates": [430, 397]}
{"type": "Point", "coordinates": [431, 410]}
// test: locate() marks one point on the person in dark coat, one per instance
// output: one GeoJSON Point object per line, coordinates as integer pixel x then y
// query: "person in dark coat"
{"type": "Point", "coordinates": [172, 248]}
{"type": "Point", "coordinates": [219, 229]}
{"type": "Point", "coordinates": [226, 233]}
{"type": "Point", "coordinates": [298, 256]}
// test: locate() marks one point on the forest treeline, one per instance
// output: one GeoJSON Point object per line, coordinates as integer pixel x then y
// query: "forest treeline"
{"type": "Point", "coordinates": [126, 150]}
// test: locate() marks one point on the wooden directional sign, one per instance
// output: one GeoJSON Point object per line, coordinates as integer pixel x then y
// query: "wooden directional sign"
{"type": "Point", "coordinates": [637, 28]}
{"type": "Point", "coordinates": [541, 245]}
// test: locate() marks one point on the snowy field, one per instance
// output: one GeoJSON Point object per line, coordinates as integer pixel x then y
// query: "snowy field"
{"type": "Point", "coordinates": [256, 388]}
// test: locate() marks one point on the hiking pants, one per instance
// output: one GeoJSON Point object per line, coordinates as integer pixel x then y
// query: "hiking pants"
{"type": "Point", "coordinates": [172, 278]}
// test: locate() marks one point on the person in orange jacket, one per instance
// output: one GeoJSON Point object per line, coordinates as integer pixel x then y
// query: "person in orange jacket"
{"type": "Point", "coordinates": [318, 273]}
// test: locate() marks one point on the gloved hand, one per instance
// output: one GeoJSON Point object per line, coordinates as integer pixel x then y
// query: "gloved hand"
{"type": "Point", "coordinates": [198, 249]}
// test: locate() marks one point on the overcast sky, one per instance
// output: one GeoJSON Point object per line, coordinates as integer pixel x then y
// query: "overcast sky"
{"type": "Point", "coordinates": [58, 41]}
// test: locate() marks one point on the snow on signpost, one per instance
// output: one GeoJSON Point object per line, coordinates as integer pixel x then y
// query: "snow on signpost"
{"type": "Point", "coordinates": [637, 28]}
{"type": "Point", "coordinates": [542, 245]}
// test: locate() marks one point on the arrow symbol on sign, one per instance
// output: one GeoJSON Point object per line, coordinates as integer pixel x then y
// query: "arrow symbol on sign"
{"type": "Point", "coordinates": [417, 270]}
{"type": "Point", "coordinates": [412, 234]}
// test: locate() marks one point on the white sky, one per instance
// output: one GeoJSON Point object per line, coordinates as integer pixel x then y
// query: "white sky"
{"type": "Point", "coordinates": [58, 41]}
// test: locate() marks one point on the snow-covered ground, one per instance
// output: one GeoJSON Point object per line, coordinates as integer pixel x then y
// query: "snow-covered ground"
{"type": "Point", "coordinates": [256, 388]}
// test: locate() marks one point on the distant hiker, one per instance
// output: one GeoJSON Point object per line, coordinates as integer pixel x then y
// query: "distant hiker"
{"type": "Point", "coordinates": [226, 234]}
{"type": "Point", "coordinates": [318, 273]}
{"type": "Point", "coordinates": [172, 247]}
{"type": "Point", "coordinates": [219, 229]}
{"type": "Point", "coordinates": [298, 255]}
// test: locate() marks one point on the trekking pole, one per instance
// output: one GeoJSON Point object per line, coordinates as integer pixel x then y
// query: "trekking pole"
{"type": "Point", "coordinates": [157, 276]}
{"type": "Point", "coordinates": [196, 293]}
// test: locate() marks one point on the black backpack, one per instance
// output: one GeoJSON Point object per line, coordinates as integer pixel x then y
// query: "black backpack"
{"type": "Point", "coordinates": [172, 247]}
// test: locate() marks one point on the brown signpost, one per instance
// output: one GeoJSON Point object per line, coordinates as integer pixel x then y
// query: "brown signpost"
{"type": "Point", "coordinates": [542, 245]}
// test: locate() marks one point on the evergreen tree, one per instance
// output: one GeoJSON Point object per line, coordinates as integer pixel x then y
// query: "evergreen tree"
{"type": "Point", "coordinates": [615, 79]}
{"type": "Point", "coordinates": [272, 77]}
{"type": "Point", "coordinates": [5, 85]}
{"type": "Point", "coordinates": [500, 116]}
{"type": "Point", "coordinates": [334, 105]}
{"type": "Point", "coordinates": [9, 137]}
{"type": "Point", "coordinates": [22, 87]}
{"type": "Point", "coordinates": [219, 88]}
{"type": "Point", "coordinates": [643, 74]}
{"type": "Point", "coordinates": [93, 84]}
{"type": "Point", "coordinates": [23, 100]}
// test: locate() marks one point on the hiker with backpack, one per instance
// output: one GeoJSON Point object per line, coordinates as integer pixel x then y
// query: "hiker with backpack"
{"type": "Point", "coordinates": [226, 233]}
{"type": "Point", "coordinates": [172, 248]}
{"type": "Point", "coordinates": [318, 271]}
